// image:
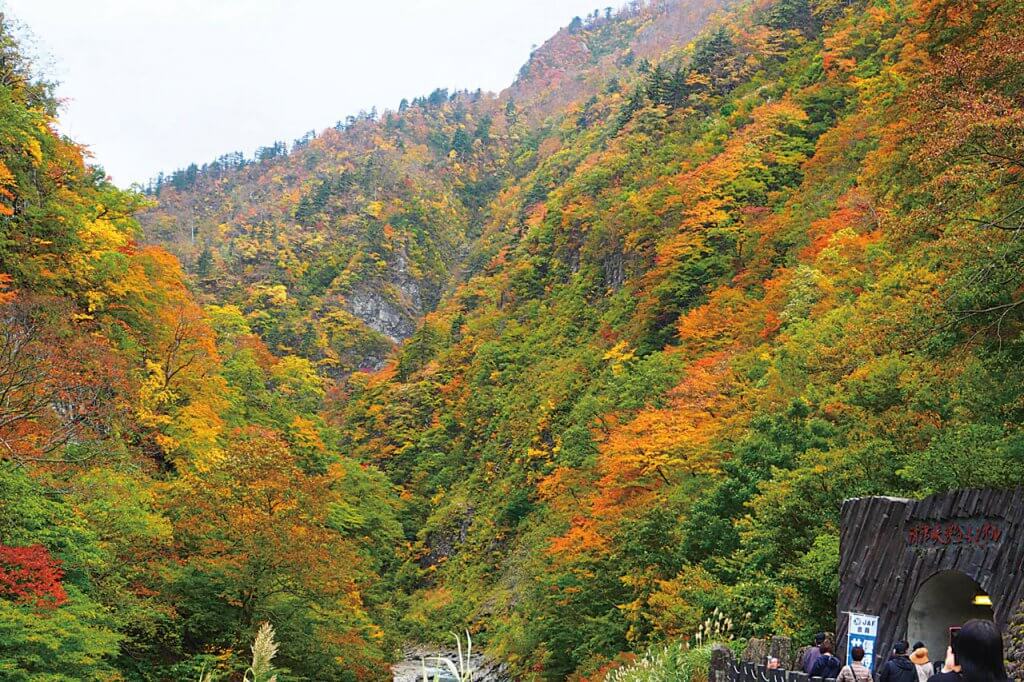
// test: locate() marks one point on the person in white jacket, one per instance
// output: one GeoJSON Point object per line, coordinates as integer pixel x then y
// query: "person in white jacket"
{"type": "Point", "coordinates": [925, 667]}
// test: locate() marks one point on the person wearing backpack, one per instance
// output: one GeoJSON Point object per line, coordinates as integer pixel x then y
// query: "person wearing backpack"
{"type": "Point", "coordinates": [827, 665]}
{"type": "Point", "coordinates": [812, 655]}
{"type": "Point", "coordinates": [856, 671]}
{"type": "Point", "coordinates": [899, 668]}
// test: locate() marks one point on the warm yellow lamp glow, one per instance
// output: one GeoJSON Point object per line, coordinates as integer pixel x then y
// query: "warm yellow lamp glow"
{"type": "Point", "coordinates": [982, 600]}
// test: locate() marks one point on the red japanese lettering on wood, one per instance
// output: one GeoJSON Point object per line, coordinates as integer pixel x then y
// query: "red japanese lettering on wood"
{"type": "Point", "coordinates": [942, 533]}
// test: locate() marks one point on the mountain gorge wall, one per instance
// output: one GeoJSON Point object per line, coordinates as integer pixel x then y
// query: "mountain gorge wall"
{"type": "Point", "coordinates": [367, 224]}
{"type": "Point", "coordinates": [662, 305]}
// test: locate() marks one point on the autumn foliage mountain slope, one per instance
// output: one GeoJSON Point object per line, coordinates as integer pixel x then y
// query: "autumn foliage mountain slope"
{"type": "Point", "coordinates": [772, 269]}
{"type": "Point", "coordinates": [336, 247]}
{"type": "Point", "coordinates": [166, 483]}
{"type": "Point", "coordinates": [573, 366]}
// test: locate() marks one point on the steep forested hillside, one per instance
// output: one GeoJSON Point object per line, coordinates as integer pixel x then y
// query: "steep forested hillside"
{"type": "Point", "coordinates": [337, 246]}
{"type": "Point", "coordinates": [764, 272]}
{"type": "Point", "coordinates": [573, 366]}
{"type": "Point", "coordinates": [166, 483]}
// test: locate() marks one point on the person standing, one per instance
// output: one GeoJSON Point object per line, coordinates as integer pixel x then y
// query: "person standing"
{"type": "Point", "coordinates": [827, 665]}
{"type": "Point", "coordinates": [978, 656]}
{"type": "Point", "coordinates": [899, 668]}
{"type": "Point", "coordinates": [814, 653]}
{"type": "Point", "coordinates": [919, 657]}
{"type": "Point", "coordinates": [855, 671]}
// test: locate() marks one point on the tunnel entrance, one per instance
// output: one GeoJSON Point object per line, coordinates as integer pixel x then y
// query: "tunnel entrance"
{"type": "Point", "coordinates": [921, 566]}
{"type": "Point", "coordinates": [947, 598]}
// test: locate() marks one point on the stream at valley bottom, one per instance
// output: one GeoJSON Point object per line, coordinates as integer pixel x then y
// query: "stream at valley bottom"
{"type": "Point", "coordinates": [410, 668]}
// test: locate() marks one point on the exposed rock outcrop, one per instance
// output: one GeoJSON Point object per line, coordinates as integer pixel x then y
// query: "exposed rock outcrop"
{"type": "Point", "coordinates": [411, 668]}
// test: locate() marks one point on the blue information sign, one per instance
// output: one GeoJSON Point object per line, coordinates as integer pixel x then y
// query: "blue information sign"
{"type": "Point", "coordinates": [863, 632]}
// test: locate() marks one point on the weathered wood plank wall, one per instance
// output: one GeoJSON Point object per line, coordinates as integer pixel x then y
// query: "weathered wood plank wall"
{"type": "Point", "coordinates": [889, 547]}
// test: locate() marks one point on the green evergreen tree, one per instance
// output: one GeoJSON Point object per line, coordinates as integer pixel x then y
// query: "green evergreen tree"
{"type": "Point", "coordinates": [792, 15]}
{"type": "Point", "coordinates": [635, 102]}
{"type": "Point", "coordinates": [204, 265]}
{"type": "Point", "coordinates": [511, 112]}
{"type": "Point", "coordinates": [712, 51]}
{"type": "Point", "coordinates": [659, 86]}
{"type": "Point", "coordinates": [462, 143]}
{"type": "Point", "coordinates": [678, 90]}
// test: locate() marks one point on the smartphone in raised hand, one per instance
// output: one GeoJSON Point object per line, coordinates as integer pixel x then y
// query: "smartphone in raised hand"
{"type": "Point", "coordinates": [954, 632]}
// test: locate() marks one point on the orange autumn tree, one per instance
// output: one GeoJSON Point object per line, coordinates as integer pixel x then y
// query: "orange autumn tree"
{"type": "Point", "coordinates": [650, 451]}
{"type": "Point", "coordinates": [182, 394]}
{"type": "Point", "coordinates": [56, 388]}
{"type": "Point", "coordinates": [660, 443]}
{"type": "Point", "coordinates": [257, 539]}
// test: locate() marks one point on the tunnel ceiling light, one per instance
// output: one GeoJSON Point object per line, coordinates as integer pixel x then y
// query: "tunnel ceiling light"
{"type": "Point", "coordinates": [982, 600]}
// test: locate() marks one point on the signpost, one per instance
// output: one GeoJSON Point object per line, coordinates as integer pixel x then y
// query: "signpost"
{"type": "Point", "coordinates": [863, 631]}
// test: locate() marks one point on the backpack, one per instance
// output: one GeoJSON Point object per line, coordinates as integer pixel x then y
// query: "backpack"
{"type": "Point", "coordinates": [827, 667]}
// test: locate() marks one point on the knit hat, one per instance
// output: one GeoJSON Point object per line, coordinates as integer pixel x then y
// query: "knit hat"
{"type": "Point", "coordinates": [920, 656]}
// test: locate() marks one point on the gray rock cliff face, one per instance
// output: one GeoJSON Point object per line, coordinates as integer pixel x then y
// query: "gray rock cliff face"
{"type": "Point", "coordinates": [392, 305]}
{"type": "Point", "coordinates": [1013, 642]}
{"type": "Point", "coordinates": [381, 314]}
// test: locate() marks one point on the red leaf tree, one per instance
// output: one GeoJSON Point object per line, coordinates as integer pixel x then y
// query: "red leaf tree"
{"type": "Point", "coordinates": [30, 575]}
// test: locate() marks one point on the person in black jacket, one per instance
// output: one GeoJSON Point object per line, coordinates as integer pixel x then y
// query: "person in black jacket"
{"type": "Point", "coordinates": [827, 666]}
{"type": "Point", "coordinates": [978, 656]}
{"type": "Point", "coordinates": [899, 668]}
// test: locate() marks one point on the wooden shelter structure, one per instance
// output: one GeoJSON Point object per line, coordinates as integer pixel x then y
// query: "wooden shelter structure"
{"type": "Point", "coordinates": [922, 566]}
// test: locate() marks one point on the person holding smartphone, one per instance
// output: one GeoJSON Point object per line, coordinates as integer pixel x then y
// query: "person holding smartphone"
{"type": "Point", "coordinates": [975, 654]}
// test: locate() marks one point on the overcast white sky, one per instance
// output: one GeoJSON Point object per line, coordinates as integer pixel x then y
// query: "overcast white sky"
{"type": "Point", "coordinates": [153, 85]}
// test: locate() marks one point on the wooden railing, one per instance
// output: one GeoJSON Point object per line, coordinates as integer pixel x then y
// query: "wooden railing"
{"type": "Point", "coordinates": [750, 672]}
{"type": "Point", "coordinates": [725, 668]}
